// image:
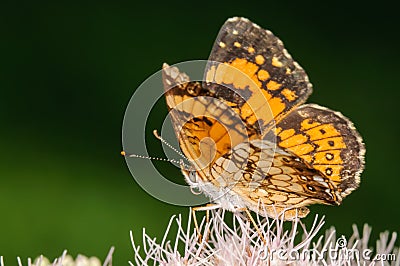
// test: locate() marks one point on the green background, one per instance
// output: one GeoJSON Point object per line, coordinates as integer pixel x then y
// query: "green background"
{"type": "Point", "coordinates": [68, 70]}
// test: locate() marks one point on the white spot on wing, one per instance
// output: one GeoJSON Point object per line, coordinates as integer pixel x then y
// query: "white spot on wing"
{"type": "Point", "coordinates": [318, 178]}
{"type": "Point", "coordinates": [234, 19]}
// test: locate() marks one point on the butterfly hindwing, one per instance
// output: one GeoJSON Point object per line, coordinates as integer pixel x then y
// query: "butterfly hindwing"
{"type": "Point", "coordinates": [264, 175]}
{"type": "Point", "coordinates": [327, 141]}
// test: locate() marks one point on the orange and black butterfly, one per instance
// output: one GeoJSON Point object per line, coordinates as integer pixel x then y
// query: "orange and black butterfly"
{"type": "Point", "coordinates": [251, 140]}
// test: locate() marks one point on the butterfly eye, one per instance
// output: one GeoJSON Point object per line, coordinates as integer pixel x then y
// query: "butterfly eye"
{"type": "Point", "coordinates": [192, 176]}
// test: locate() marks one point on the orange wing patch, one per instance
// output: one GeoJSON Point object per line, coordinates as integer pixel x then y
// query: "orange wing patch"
{"type": "Point", "coordinates": [259, 69]}
{"type": "Point", "coordinates": [206, 127]}
{"type": "Point", "coordinates": [241, 77]}
{"type": "Point", "coordinates": [326, 141]}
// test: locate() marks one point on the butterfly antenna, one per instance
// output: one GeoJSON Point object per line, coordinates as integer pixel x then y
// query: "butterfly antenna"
{"type": "Point", "coordinates": [131, 155]}
{"type": "Point", "coordinates": [155, 133]}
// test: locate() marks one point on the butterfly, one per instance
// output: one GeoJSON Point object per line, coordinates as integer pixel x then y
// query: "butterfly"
{"type": "Point", "coordinates": [251, 140]}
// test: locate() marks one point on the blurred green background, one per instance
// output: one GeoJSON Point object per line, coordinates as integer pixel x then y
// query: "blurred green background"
{"type": "Point", "coordinates": [68, 70]}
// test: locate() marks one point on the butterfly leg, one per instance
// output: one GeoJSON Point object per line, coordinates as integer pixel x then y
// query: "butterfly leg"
{"type": "Point", "coordinates": [251, 219]}
{"type": "Point", "coordinates": [206, 208]}
{"type": "Point", "coordinates": [257, 229]}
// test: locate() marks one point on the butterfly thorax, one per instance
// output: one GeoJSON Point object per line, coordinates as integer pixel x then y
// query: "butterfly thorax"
{"type": "Point", "coordinates": [221, 195]}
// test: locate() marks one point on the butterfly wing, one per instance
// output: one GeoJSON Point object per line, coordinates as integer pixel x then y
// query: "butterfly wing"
{"type": "Point", "coordinates": [319, 159]}
{"type": "Point", "coordinates": [206, 127]}
{"type": "Point", "coordinates": [326, 141]}
{"type": "Point", "coordinates": [267, 72]}
{"type": "Point", "coordinates": [268, 176]}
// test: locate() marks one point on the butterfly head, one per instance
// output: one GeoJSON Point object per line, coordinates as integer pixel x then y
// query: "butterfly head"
{"type": "Point", "coordinates": [190, 174]}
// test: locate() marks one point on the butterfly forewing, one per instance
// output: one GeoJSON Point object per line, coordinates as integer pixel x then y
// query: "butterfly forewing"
{"type": "Point", "coordinates": [207, 128]}
{"type": "Point", "coordinates": [267, 71]}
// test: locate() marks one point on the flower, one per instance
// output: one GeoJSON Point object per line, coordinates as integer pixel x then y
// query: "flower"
{"type": "Point", "coordinates": [66, 260]}
{"type": "Point", "coordinates": [241, 244]}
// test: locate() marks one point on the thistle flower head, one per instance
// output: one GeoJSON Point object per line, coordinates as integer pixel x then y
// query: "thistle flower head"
{"type": "Point", "coordinates": [66, 260]}
{"type": "Point", "coordinates": [242, 244]}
